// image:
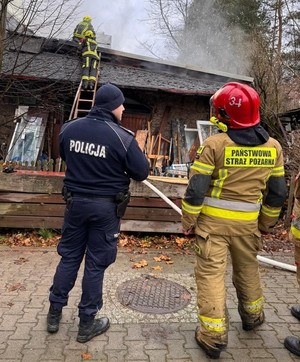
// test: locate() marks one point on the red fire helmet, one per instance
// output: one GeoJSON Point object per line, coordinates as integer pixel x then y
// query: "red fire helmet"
{"type": "Point", "coordinates": [237, 105]}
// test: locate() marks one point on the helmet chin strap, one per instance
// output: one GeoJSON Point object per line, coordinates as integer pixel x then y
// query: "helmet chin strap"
{"type": "Point", "coordinates": [222, 126]}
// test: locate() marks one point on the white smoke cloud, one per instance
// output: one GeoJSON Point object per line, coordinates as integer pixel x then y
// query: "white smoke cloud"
{"type": "Point", "coordinates": [124, 20]}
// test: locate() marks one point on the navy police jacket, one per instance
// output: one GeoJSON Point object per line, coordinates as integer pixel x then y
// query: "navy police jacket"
{"type": "Point", "coordinates": [100, 155]}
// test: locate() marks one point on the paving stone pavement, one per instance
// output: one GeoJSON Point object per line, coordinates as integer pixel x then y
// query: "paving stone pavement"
{"type": "Point", "coordinates": [25, 277]}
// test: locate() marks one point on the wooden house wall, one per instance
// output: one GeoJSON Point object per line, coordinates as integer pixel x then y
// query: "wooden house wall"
{"type": "Point", "coordinates": [161, 110]}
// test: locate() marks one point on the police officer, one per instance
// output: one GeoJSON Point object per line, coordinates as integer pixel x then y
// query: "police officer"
{"type": "Point", "coordinates": [293, 343]}
{"type": "Point", "coordinates": [236, 189]}
{"type": "Point", "coordinates": [101, 158]}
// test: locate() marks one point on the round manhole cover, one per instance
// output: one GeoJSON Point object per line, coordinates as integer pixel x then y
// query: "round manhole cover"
{"type": "Point", "coordinates": [149, 294]}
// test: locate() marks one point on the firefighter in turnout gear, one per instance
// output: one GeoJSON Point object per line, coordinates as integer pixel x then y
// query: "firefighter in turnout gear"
{"type": "Point", "coordinates": [293, 343]}
{"type": "Point", "coordinates": [82, 28]}
{"type": "Point", "coordinates": [90, 59]}
{"type": "Point", "coordinates": [236, 190]}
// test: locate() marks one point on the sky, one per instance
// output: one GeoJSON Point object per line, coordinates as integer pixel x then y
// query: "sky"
{"type": "Point", "coordinates": [124, 20]}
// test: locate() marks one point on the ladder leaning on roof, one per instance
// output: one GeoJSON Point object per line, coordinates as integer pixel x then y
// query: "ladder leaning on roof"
{"type": "Point", "coordinates": [83, 102]}
{"type": "Point", "coordinates": [84, 98]}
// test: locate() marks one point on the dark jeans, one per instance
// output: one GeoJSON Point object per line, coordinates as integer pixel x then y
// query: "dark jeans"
{"type": "Point", "coordinates": [91, 229]}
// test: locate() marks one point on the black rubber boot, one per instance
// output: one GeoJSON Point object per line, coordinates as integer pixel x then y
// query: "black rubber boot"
{"type": "Point", "coordinates": [295, 310]}
{"type": "Point", "coordinates": [293, 345]}
{"type": "Point", "coordinates": [212, 352]}
{"type": "Point", "coordinates": [91, 329]}
{"type": "Point", "coordinates": [250, 326]}
{"type": "Point", "coordinates": [53, 319]}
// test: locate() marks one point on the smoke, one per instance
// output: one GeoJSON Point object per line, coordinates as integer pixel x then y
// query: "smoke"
{"type": "Point", "coordinates": [208, 41]}
{"type": "Point", "coordinates": [123, 20]}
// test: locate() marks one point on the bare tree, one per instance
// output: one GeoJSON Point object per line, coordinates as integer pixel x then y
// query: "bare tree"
{"type": "Point", "coordinates": [199, 34]}
{"type": "Point", "coordinates": [27, 26]}
{"type": "Point", "coordinates": [275, 62]}
{"type": "Point", "coordinates": [260, 38]}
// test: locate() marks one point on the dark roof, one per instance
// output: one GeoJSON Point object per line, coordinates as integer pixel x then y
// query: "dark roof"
{"type": "Point", "coordinates": [56, 59]}
{"type": "Point", "coordinates": [291, 112]}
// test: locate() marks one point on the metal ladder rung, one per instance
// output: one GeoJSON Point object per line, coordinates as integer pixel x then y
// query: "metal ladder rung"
{"type": "Point", "coordinates": [83, 110]}
{"type": "Point", "coordinates": [85, 100]}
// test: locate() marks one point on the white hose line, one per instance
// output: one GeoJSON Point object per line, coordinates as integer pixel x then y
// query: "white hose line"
{"type": "Point", "coordinates": [277, 263]}
{"type": "Point", "coordinates": [176, 208]}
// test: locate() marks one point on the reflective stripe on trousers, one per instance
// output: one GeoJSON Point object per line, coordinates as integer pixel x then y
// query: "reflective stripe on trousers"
{"type": "Point", "coordinates": [254, 307]}
{"type": "Point", "coordinates": [213, 324]}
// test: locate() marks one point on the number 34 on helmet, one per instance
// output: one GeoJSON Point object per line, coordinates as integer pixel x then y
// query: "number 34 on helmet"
{"type": "Point", "coordinates": [236, 105]}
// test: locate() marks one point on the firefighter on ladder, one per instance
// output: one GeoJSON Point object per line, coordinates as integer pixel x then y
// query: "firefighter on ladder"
{"type": "Point", "coordinates": [82, 28]}
{"type": "Point", "coordinates": [293, 343]}
{"type": "Point", "coordinates": [236, 190]}
{"type": "Point", "coordinates": [90, 59]}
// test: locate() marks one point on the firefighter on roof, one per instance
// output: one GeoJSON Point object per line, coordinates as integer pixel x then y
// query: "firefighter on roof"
{"type": "Point", "coordinates": [82, 28]}
{"type": "Point", "coordinates": [292, 343]}
{"type": "Point", "coordinates": [236, 189]}
{"type": "Point", "coordinates": [90, 59]}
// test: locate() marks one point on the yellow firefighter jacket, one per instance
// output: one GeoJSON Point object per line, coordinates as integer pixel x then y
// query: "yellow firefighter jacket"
{"type": "Point", "coordinates": [81, 28]}
{"type": "Point", "coordinates": [295, 226]}
{"type": "Point", "coordinates": [234, 189]}
{"type": "Point", "coordinates": [89, 48]}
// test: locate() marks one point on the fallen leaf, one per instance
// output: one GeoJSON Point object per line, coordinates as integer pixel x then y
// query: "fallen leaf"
{"type": "Point", "coordinates": [165, 258]}
{"type": "Point", "coordinates": [86, 355]}
{"type": "Point", "coordinates": [157, 267]}
{"type": "Point", "coordinates": [140, 264]}
{"type": "Point", "coordinates": [17, 286]}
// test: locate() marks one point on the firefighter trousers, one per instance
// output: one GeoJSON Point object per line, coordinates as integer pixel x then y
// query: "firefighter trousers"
{"type": "Point", "coordinates": [89, 71]}
{"type": "Point", "coordinates": [210, 271]}
{"type": "Point", "coordinates": [90, 230]}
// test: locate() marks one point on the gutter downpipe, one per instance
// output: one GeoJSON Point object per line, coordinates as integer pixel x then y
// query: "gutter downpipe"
{"type": "Point", "coordinates": [176, 208]}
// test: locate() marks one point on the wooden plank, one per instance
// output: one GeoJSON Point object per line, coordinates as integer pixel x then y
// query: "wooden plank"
{"type": "Point", "coordinates": [146, 213]}
{"type": "Point", "coordinates": [53, 210]}
{"type": "Point", "coordinates": [38, 184]}
{"type": "Point", "coordinates": [141, 138]}
{"type": "Point", "coordinates": [22, 209]}
{"type": "Point", "coordinates": [152, 202]}
{"type": "Point", "coordinates": [31, 198]}
{"type": "Point", "coordinates": [26, 222]}
{"type": "Point", "coordinates": [151, 226]}
{"type": "Point", "coordinates": [57, 199]}
{"type": "Point", "coordinates": [172, 180]}
{"type": "Point", "coordinates": [29, 222]}
{"type": "Point", "coordinates": [33, 183]}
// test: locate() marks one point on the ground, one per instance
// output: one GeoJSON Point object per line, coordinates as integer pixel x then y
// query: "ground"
{"type": "Point", "coordinates": [277, 241]}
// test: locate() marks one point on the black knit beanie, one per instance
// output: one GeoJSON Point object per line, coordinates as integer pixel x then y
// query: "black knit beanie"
{"type": "Point", "coordinates": [109, 96]}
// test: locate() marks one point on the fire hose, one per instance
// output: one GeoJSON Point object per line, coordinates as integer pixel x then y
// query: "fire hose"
{"type": "Point", "coordinates": [176, 208]}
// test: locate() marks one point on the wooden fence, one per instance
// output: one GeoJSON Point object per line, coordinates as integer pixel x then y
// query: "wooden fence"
{"type": "Point", "coordinates": [32, 199]}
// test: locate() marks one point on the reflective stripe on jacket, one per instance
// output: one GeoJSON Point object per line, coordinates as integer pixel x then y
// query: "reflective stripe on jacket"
{"type": "Point", "coordinates": [81, 28]}
{"type": "Point", "coordinates": [232, 183]}
{"type": "Point", "coordinates": [89, 49]}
